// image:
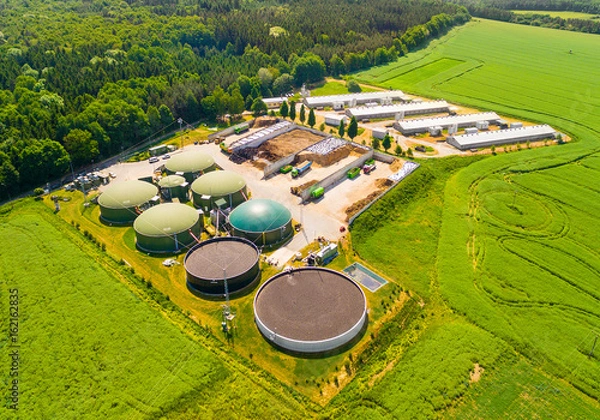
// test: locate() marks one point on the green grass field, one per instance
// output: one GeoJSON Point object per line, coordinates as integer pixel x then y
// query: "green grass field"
{"type": "Point", "coordinates": [90, 347]}
{"type": "Point", "coordinates": [560, 14]}
{"type": "Point", "coordinates": [335, 87]}
{"type": "Point", "coordinates": [517, 251]}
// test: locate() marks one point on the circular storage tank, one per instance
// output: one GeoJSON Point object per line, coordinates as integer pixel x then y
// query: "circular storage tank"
{"type": "Point", "coordinates": [122, 202]}
{"type": "Point", "coordinates": [264, 222]}
{"type": "Point", "coordinates": [168, 227]}
{"type": "Point", "coordinates": [207, 263]}
{"type": "Point", "coordinates": [190, 164]}
{"type": "Point", "coordinates": [216, 185]}
{"type": "Point", "coordinates": [310, 310]}
{"type": "Point", "coordinates": [174, 186]}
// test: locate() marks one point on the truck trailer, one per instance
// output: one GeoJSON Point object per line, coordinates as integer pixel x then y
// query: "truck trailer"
{"type": "Point", "coordinates": [296, 172]}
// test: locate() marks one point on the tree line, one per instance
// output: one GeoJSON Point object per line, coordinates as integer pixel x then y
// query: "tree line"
{"type": "Point", "coordinates": [503, 10]}
{"type": "Point", "coordinates": [81, 81]}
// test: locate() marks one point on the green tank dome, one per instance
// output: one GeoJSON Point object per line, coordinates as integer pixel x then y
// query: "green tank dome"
{"type": "Point", "coordinates": [171, 181]}
{"type": "Point", "coordinates": [189, 162]}
{"type": "Point", "coordinates": [260, 215]}
{"type": "Point", "coordinates": [127, 194]}
{"type": "Point", "coordinates": [166, 219]}
{"type": "Point", "coordinates": [218, 183]}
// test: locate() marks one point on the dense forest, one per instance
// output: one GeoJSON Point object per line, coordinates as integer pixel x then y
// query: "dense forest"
{"type": "Point", "coordinates": [502, 10]}
{"type": "Point", "coordinates": [81, 80]}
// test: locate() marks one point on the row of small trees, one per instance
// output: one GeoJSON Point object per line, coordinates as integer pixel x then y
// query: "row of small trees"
{"type": "Point", "coordinates": [289, 110]}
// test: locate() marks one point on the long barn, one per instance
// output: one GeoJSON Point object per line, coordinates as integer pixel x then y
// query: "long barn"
{"type": "Point", "coordinates": [397, 111]}
{"type": "Point", "coordinates": [421, 125]}
{"type": "Point", "coordinates": [500, 137]}
{"type": "Point", "coordinates": [353, 99]}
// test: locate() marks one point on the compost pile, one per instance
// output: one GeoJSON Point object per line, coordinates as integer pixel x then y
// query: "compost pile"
{"type": "Point", "coordinates": [287, 144]}
{"type": "Point", "coordinates": [297, 190]}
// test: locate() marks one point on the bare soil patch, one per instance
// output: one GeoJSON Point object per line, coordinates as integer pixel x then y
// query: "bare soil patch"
{"type": "Point", "coordinates": [475, 375]}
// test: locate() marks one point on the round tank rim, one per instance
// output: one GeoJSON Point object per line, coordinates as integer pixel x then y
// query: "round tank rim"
{"type": "Point", "coordinates": [361, 320]}
{"type": "Point", "coordinates": [220, 239]}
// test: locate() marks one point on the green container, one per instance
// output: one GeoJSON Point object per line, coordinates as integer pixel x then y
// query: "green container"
{"type": "Point", "coordinates": [318, 192]}
{"type": "Point", "coordinates": [286, 169]}
{"type": "Point", "coordinates": [353, 173]}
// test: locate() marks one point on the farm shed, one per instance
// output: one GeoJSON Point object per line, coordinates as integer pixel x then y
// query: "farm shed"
{"type": "Point", "coordinates": [275, 102]}
{"type": "Point", "coordinates": [353, 99]}
{"type": "Point", "coordinates": [174, 186]}
{"type": "Point", "coordinates": [219, 185]}
{"type": "Point", "coordinates": [208, 263]}
{"type": "Point", "coordinates": [379, 133]}
{"type": "Point", "coordinates": [500, 137]}
{"type": "Point", "coordinates": [335, 119]}
{"type": "Point", "coordinates": [190, 164]}
{"type": "Point", "coordinates": [122, 202]}
{"type": "Point", "coordinates": [262, 221]}
{"type": "Point", "coordinates": [391, 111]}
{"type": "Point", "coordinates": [310, 310]}
{"type": "Point", "coordinates": [168, 228]}
{"type": "Point", "coordinates": [421, 125]}
{"type": "Point", "coordinates": [158, 150]}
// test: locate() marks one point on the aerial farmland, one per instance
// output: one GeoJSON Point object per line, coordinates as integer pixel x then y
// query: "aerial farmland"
{"type": "Point", "coordinates": [280, 268]}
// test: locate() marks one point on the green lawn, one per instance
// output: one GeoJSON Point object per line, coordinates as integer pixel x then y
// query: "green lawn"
{"type": "Point", "coordinates": [335, 87]}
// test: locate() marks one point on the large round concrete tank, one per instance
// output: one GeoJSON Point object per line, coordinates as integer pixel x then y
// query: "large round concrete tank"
{"type": "Point", "coordinates": [210, 262]}
{"type": "Point", "coordinates": [310, 310]}
{"type": "Point", "coordinates": [190, 164]}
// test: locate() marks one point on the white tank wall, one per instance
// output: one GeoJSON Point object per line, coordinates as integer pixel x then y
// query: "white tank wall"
{"type": "Point", "coordinates": [311, 346]}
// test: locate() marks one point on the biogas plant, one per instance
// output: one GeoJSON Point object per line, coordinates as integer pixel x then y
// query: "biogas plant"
{"type": "Point", "coordinates": [259, 196]}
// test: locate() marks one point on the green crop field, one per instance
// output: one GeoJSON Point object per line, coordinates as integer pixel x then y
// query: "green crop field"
{"type": "Point", "coordinates": [518, 243]}
{"type": "Point", "coordinates": [560, 14]}
{"type": "Point", "coordinates": [92, 348]}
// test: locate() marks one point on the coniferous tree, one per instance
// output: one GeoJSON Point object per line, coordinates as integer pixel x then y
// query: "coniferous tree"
{"type": "Point", "coordinates": [283, 109]}
{"type": "Point", "coordinates": [311, 118]}
{"type": "Point", "coordinates": [352, 128]}
{"type": "Point", "coordinates": [292, 110]}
